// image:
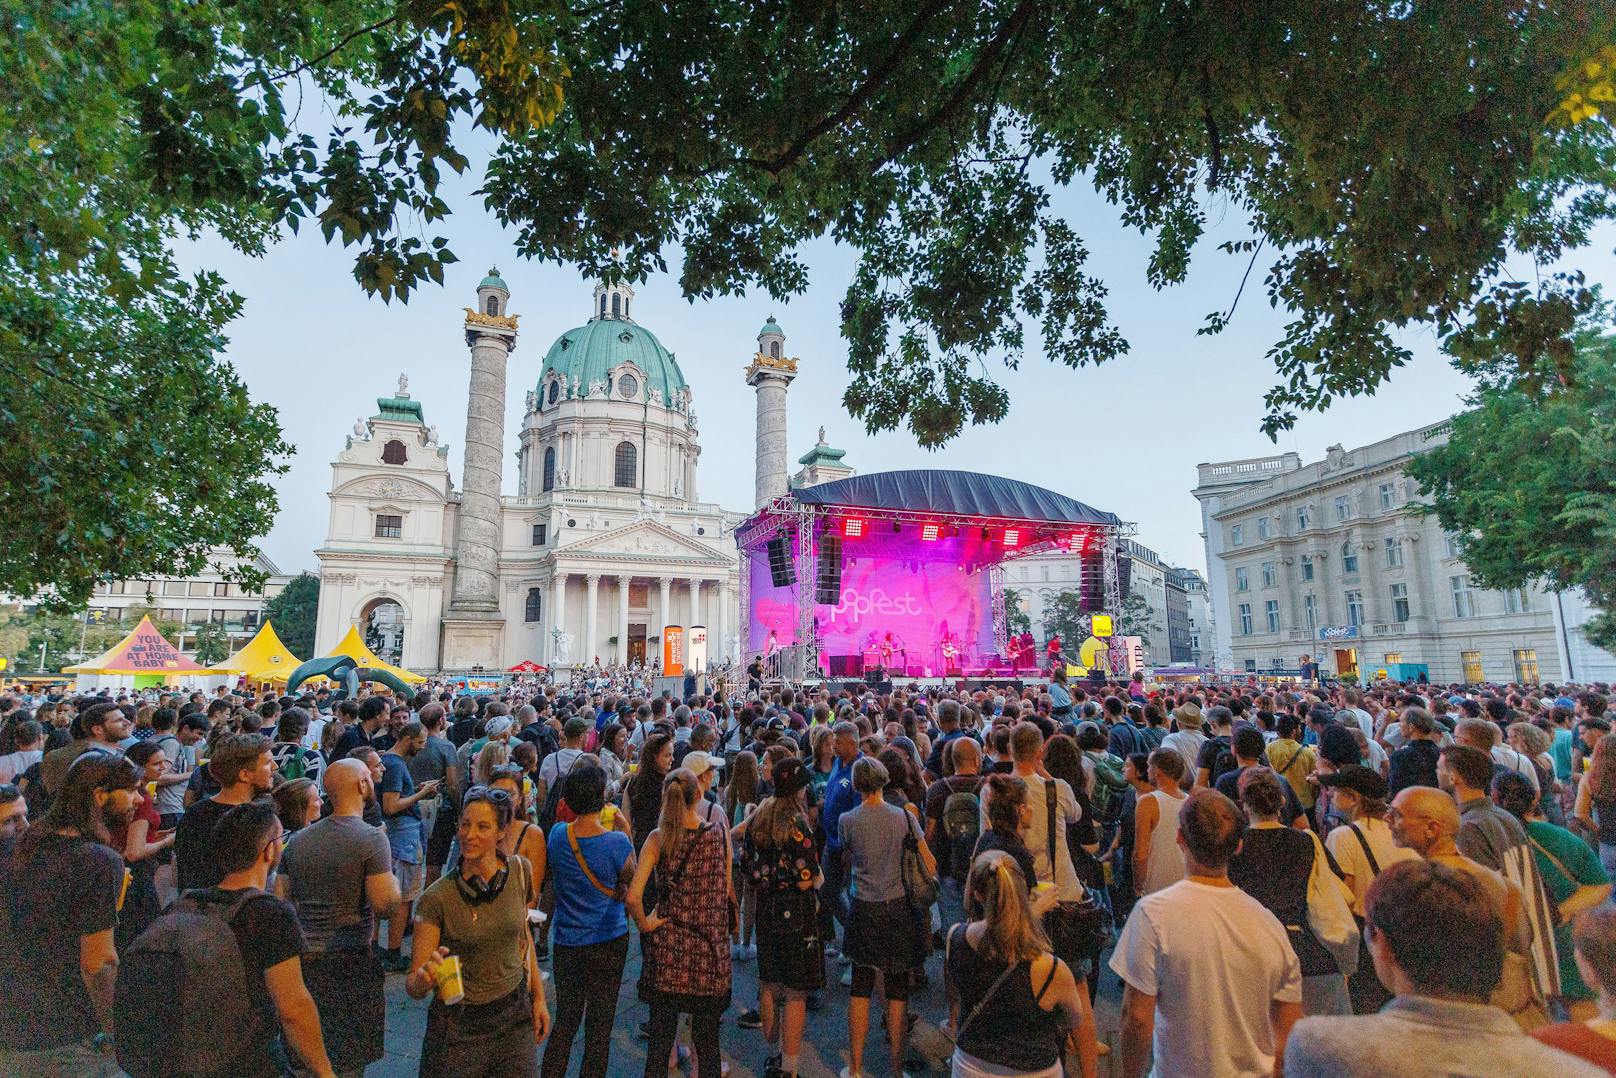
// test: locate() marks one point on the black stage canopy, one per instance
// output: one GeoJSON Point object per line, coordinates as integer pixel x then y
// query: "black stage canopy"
{"type": "Point", "coordinates": [970, 494]}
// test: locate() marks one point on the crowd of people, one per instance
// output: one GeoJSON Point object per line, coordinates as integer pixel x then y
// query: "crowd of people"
{"type": "Point", "coordinates": [1409, 880]}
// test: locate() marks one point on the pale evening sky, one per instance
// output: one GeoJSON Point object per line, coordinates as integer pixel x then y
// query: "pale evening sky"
{"type": "Point", "coordinates": [1124, 437]}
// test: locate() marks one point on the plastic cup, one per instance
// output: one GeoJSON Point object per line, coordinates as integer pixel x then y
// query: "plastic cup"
{"type": "Point", "coordinates": [451, 987]}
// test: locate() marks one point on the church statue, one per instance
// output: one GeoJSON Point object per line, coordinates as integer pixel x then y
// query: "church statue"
{"type": "Point", "coordinates": [532, 400]}
{"type": "Point", "coordinates": [432, 435]}
{"type": "Point", "coordinates": [359, 428]}
{"type": "Point", "coordinates": [821, 435]}
{"type": "Point", "coordinates": [403, 385]}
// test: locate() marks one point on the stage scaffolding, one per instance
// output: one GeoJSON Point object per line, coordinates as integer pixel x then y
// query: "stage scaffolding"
{"type": "Point", "coordinates": [805, 523]}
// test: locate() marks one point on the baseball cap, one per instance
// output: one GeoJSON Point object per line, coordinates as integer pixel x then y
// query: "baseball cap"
{"type": "Point", "coordinates": [577, 726]}
{"type": "Point", "coordinates": [698, 762]}
{"type": "Point", "coordinates": [1365, 781]}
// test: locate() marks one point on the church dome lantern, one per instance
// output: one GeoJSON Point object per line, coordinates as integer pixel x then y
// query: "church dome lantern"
{"type": "Point", "coordinates": [772, 339]}
{"type": "Point", "coordinates": [492, 295]}
{"type": "Point", "coordinates": [611, 356]}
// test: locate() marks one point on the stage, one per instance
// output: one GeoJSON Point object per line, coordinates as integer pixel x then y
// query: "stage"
{"type": "Point", "coordinates": [901, 573]}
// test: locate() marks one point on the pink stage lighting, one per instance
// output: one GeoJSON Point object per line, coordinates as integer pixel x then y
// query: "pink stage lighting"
{"type": "Point", "coordinates": [853, 528]}
{"type": "Point", "coordinates": [930, 532]}
{"type": "Point", "coordinates": [1012, 538]}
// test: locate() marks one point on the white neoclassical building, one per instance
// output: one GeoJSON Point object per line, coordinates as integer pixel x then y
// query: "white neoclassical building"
{"type": "Point", "coordinates": [604, 543]}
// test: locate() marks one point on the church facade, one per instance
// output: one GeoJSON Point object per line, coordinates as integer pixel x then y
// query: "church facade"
{"type": "Point", "coordinates": [604, 544]}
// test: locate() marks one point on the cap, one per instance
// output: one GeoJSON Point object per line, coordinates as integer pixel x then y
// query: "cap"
{"type": "Point", "coordinates": [698, 762]}
{"type": "Point", "coordinates": [577, 726]}
{"type": "Point", "coordinates": [790, 776]}
{"type": "Point", "coordinates": [499, 725]}
{"type": "Point", "coordinates": [1365, 781]}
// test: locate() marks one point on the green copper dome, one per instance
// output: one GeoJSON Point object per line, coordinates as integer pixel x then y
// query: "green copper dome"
{"type": "Point", "coordinates": [771, 326]}
{"type": "Point", "coordinates": [494, 280]}
{"type": "Point", "coordinates": [586, 354]}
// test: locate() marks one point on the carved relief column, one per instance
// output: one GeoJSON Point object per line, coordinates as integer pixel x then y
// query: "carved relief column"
{"type": "Point", "coordinates": [593, 580]}
{"type": "Point", "coordinates": [622, 618]}
{"type": "Point", "coordinates": [558, 614]}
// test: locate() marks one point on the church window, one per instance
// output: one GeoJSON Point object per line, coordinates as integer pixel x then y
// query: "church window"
{"type": "Point", "coordinates": [540, 533]}
{"type": "Point", "coordinates": [627, 466]}
{"type": "Point", "coordinates": [628, 386]}
{"type": "Point", "coordinates": [617, 302]}
{"type": "Point", "coordinates": [535, 604]}
{"type": "Point", "coordinates": [555, 390]}
{"type": "Point", "coordinates": [389, 526]}
{"type": "Point", "coordinates": [493, 304]}
{"type": "Point", "coordinates": [603, 305]}
{"type": "Point", "coordinates": [393, 452]}
{"type": "Point", "coordinates": [625, 308]}
{"type": "Point", "coordinates": [774, 349]}
{"type": "Point", "coordinates": [549, 465]}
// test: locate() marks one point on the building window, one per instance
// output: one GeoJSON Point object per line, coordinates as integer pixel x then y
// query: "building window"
{"type": "Point", "coordinates": [555, 391]}
{"type": "Point", "coordinates": [535, 604]}
{"type": "Point", "coordinates": [1245, 619]}
{"type": "Point", "coordinates": [1399, 602]}
{"type": "Point", "coordinates": [617, 304]}
{"type": "Point", "coordinates": [1044, 569]}
{"type": "Point", "coordinates": [1271, 609]}
{"type": "Point", "coordinates": [549, 468]}
{"type": "Point", "coordinates": [389, 526]}
{"type": "Point", "coordinates": [628, 387]}
{"type": "Point", "coordinates": [1388, 495]}
{"type": "Point", "coordinates": [1355, 614]}
{"type": "Point", "coordinates": [1270, 576]}
{"type": "Point", "coordinates": [1307, 567]}
{"type": "Point", "coordinates": [1471, 662]}
{"type": "Point", "coordinates": [1394, 553]}
{"type": "Point", "coordinates": [1237, 534]}
{"type": "Point", "coordinates": [493, 305]}
{"type": "Point", "coordinates": [1464, 599]}
{"type": "Point", "coordinates": [1242, 579]}
{"type": "Point", "coordinates": [1526, 665]}
{"type": "Point", "coordinates": [393, 452]}
{"type": "Point", "coordinates": [774, 349]}
{"type": "Point", "coordinates": [1310, 611]}
{"type": "Point", "coordinates": [540, 534]}
{"type": "Point", "coordinates": [1262, 527]}
{"type": "Point", "coordinates": [1349, 558]}
{"type": "Point", "coordinates": [627, 471]}
{"type": "Point", "coordinates": [1393, 657]}
{"type": "Point", "coordinates": [1251, 666]}
{"type": "Point", "coordinates": [1516, 601]}
{"type": "Point", "coordinates": [603, 305]}
{"type": "Point", "coordinates": [1341, 507]}
{"type": "Point", "coordinates": [1450, 545]}
{"type": "Point", "coordinates": [1304, 517]}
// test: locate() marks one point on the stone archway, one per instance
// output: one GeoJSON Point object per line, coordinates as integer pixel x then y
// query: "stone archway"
{"type": "Point", "coordinates": [381, 624]}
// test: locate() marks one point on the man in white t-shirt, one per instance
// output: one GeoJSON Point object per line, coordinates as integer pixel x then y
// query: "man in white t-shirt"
{"type": "Point", "coordinates": [1026, 746]}
{"type": "Point", "coordinates": [1211, 984]}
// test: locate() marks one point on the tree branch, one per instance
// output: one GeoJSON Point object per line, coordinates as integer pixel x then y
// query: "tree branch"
{"type": "Point", "coordinates": [338, 47]}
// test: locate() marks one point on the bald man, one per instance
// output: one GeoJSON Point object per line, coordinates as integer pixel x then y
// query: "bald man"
{"type": "Point", "coordinates": [1426, 820]}
{"type": "Point", "coordinates": [338, 873]}
{"type": "Point", "coordinates": [953, 834]}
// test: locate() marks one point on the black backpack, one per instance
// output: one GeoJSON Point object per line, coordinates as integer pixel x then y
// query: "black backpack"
{"type": "Point", "coordinates": [553, 796]}
{"type": "Point", "coordinates": [188, 966]}
{"type": "Point", "coordinates": [1223, 763]}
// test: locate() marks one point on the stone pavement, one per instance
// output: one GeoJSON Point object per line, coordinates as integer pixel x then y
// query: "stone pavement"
{"type": "Point", "coordinates": [824, 1051]}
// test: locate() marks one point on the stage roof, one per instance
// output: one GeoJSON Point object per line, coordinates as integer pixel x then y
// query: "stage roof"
{"type": "Point", "coordinates": [960, 493]}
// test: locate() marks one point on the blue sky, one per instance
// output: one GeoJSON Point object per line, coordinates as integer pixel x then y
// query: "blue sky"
{"type": "Point", "coordinates": [1124, 437]}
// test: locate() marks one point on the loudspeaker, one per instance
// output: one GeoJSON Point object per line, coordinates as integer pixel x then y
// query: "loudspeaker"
{"type": "Point", "coordinates": [828, 586]}
{"type": "Point", "coordinates": [1091, 589]}
{"type": "Point", "coordinates": [843, 666]}
{"type": "Point", "coordinates": [1124, 568]}
{"type": "Point", "coordinates": [782, 570]}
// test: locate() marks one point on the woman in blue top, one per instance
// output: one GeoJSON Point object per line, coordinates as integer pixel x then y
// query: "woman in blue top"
{"type": "Point", "coordinates": [591, 866]}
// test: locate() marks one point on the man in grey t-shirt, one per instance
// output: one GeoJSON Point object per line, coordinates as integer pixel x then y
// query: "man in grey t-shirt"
{"type": "Point", "coordinates": [338, 873]}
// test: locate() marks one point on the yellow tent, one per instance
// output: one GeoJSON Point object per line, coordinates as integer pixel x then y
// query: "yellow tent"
{"type": "Point", "coordinates": [353, 645]}
{"type": "Point", "coordinates": [263, 658]}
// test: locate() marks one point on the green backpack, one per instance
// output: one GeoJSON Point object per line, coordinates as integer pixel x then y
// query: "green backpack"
{"type": "Point", "coordinates": [1109, 785]}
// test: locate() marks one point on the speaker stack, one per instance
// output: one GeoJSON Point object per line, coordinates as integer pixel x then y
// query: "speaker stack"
{"type": "Point", "coordinates": [782, 571]}
{"type": "Point", "coordinates": [828, 584]}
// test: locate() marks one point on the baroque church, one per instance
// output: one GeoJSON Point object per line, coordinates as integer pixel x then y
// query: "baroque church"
{"type": "Point", "coordinates": [605, 542]}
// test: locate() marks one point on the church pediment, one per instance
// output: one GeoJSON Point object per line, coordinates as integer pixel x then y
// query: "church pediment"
{"type": "Point", "coordinates": [645, 539]}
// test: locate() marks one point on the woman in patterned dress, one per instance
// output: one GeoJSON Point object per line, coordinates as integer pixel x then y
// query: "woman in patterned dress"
{"type": "Point", "coordinates": [687, 961]}
{"type": "Point", "coordinates": [779, 852]}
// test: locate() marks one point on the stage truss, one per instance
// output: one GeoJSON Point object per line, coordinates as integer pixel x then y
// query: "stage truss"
{"type": "Point", "coordinates": [785, 515]}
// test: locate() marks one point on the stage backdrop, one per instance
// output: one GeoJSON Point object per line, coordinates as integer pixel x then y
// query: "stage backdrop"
{"type": "Point", "coordinates": [916, 591]}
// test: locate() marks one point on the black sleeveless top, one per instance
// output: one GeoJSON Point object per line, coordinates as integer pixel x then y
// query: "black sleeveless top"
{"type": "Point", "coordinates": [1012, 1030]}
{"type": "Point", "coordinates": [1273, 866]}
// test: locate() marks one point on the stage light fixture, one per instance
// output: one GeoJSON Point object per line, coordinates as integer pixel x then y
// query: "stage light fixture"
{"type": "Point", "coordinates": [986, 535]}
{"type": "Point", "coordinates": [929, 533]}
{"type": "Point", "coordinates": [1012, 537]}
{"type": "Point", "coordinates": [853, 528]}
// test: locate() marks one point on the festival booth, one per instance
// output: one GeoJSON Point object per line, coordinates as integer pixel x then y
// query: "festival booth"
{"type": "Point", "coordinates": [263, 660]}
{"type": "Point", "coordinates": [902, 574]}
{"type": "Point", "coordinates": [353, 646]}
{"type": "Point", "coordinates": [142, 659]}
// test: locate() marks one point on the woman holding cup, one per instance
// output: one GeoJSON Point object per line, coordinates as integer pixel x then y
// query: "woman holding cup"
{"type": "Point", "coordinates": [473, 953]}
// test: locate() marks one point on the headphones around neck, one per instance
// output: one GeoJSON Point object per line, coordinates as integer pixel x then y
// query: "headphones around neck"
{"type": "Point", "coordinates": [477, 891]}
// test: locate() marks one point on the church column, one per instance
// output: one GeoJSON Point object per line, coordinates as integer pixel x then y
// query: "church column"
{"type": "Point", "coordinates": [665, 612]}
{"type": "Point", "coordinates": [622, 619]}
{"type": "Point", "coordinates": [558, 613]}
{"type": "Point", "coordinates": [593, 580]}
{"type": "Point", "coordinates": [695, 602]}
{"type": "Point", "coordinates": [718, 635]}
{"type": "Point", "coordinates": [477, 539]}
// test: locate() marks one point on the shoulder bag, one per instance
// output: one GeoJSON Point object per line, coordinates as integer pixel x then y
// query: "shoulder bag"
{"type": "Point", "coordinates": [1077, 930]}
{"type": "Point", "coordinates": [919, 886]}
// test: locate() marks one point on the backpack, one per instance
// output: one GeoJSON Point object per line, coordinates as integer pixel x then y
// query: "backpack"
{"type": "Point", "coordinates": [1223, 763]}
{"type": "Point", "coordinates": [191, 958]}
{"type": "Point", "coordinates": [295, 766]}
{"type": "Point", "coordinates": [1109, 784]}
{"type": "Point", "coordinates": [553, 801]}
{"type": "Point", "coordinates": [962, 824]}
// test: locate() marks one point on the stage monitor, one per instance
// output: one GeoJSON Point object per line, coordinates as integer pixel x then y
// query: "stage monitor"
{"type": "Point", "coordinates": [782, 571]}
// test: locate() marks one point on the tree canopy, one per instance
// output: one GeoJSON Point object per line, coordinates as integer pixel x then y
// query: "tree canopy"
{"type": "Point", "coordinates": [1393, 160]}
{"type": "Point", "coordinates": [294, 613]}
{"type": "Point", "coordinates": [1526, 480]}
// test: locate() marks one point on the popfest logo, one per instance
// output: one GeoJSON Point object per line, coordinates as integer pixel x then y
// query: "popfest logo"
{"type": "Point", "coordinates": [856, 605]}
